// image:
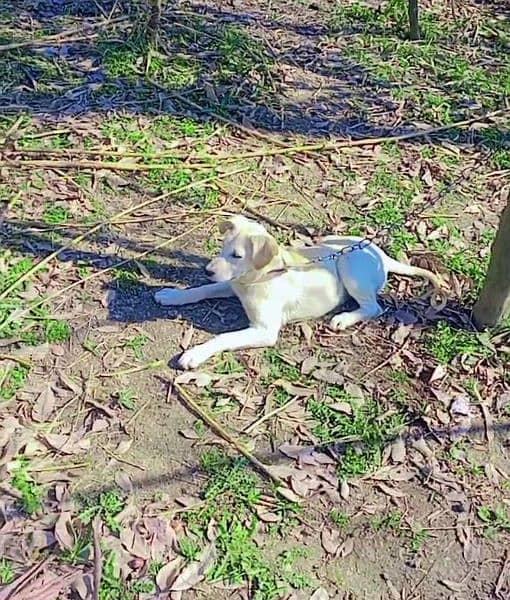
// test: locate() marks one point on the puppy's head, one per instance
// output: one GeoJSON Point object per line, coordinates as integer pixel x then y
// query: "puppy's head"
{"type": "Point", "coordinates": [247, 248]}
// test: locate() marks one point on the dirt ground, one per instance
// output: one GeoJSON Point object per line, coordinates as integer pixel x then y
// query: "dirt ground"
{"type": "Point", "coordinates": [118, 159]}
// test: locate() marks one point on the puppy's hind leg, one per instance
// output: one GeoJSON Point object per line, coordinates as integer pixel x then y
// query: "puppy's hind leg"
{"type": "Point", "coordinates": [366, 297]}
{"type": "Point", "coordinates": [368, 309]}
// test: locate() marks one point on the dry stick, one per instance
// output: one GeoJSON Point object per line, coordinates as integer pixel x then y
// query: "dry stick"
{"type": "Point", "coordinates": [60, 36]}
{"type": "Point", "coordinates": [500, 583]}
{"type": "Point", "coordinates": [98, 557]}
{"type": "Point", "coordinates": [270, 414]}
{"type": "Point", "coordinates": [110, 221]}
{"type": "Point", "coordinates": [71, 286]}
{"type": "Point", "coordinates": [219, 430]}
{"type": "Point", "coordinates": [99, 164]}
{"type": "Point", "coordinates": [221, 118]}
{"type": "Point", "coordinates": [296, 149]}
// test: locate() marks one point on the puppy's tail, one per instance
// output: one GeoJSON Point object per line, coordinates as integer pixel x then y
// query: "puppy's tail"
{"type": "Point", "coordinates": [399, 268]}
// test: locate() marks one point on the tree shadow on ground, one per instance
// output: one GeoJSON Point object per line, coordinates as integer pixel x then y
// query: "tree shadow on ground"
{"type": "Point", "coordinates": [216, 62]}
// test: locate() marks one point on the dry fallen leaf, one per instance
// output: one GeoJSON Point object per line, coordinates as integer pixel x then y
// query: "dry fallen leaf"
{"type": "Point", "coordinates": [63, 528]}
{"type": "Point", "coordinates": [320, 594]}
{"type": "Point", "coordinates": [328, 376]}
{"type": "Point", "coordinates": [195, 571]}
{"type": "Point", "coordinates": [44, 405]}
{"type": "Point", "coordinates": [167, 574]}
{"type": "Point", "coordinates": [189, 433]}
{"type": "Point", "coordinates": [66, 444]}
{"type": "Point", "coordinates": [330, 540]}
{"type": "Point", "coordinates": [398, 450]}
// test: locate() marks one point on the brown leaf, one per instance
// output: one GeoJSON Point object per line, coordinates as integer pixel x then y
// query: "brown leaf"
{"type": "Point", "coordinates": [390, 491]}
{"type": "Point", "coordinates": [452, 585]}
{"type": "Point", "coordinates": [266, 515]}
{"type": "Point", "coordinates": [75, 387]}
{"type": "Point", "coordinates": [344, 490]}
{"type": "Point", "coordinates": [398, 450]}
{"type": "Point", "coordinates": [186, 338]}
{"type": "Point", "coordinates": [167, 574]}
{"type": "Point", "coordinates": [293, 390]}
{"type": "Point", "coordinates": [320, 594]}
{"type": "Point", "coordinates": [135, 544]}
{"type": "Point", "coordinates": [201, 379]}
{"type": "Point", "coordinates": [41, 539]}
{"type": "Point", "coordinates": [289, 494]}
{"type": "Point", "coordinates": [47, 587]}
{"type": "Point", "coordinates": [189, 433]}
{"type": "Point", "coordinates": [307, 332]}
{"type": "Point", "coordinates": [355, 392]}
{"type": "Point", "coordinates": [67, 444]}
{"type": "Point", "coordinates": [308, 365]}
{"type": "Point", "coordinates": [328, 376]}
{"type": "Point", "coordinates": [196, 571]}
{"type": "Point", "coordinates": [83, 586]}
{"type": "Point", "coordinates": [346, 548]}
{"type": "Point", "coordinates": [63, 528]}
{"type": "Point", "coordinates": [44, 405]}
{"type": "Point", "coordinates": [330, 540]}
{"type": "Point", "coordinates": [341, 407]}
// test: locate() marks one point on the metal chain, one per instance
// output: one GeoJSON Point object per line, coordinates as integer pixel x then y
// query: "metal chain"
{"type": "Point", "coordinates": [368, 240]}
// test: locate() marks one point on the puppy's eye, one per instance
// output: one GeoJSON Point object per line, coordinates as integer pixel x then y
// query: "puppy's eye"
{"type": "Point", "coordinates": [236, 255]}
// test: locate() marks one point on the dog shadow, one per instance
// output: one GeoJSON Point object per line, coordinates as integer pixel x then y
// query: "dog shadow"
{"type": "Point", "coordinates": [135, 303]}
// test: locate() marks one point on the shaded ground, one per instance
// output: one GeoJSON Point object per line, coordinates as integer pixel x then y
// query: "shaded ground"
{"type": "Point", "coordinates": [393, 439]}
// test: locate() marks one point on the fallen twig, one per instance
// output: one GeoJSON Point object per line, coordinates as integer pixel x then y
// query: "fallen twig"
{"type": "Point", "coordinates": [503, 574]}
{"type": "Point", "coordinates": [100, 165]}
{"type": "Point", "coordinates": [271, 413]}
{"type": "Point", "coordinates": [15, 284]}
{"type": "Point", "coordinates": [24, 579]}
{"type": "Point", "coordinates": [219, 430]}
{"type": "Point", "coordinates": [62, 37]}
{"type": "Point", "coordinates": [98, 556]}
{"type": "Point", "coordinates": [67, 288]}
{"type": "Point", "coordinates": [155, 364]}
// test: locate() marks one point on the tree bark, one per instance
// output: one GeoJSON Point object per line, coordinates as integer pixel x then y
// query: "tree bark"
{"type": "Point", "coordinates": [493, 305]}
{"type": "Point", "coordinates": [154, 20]}
{"type": "Point", "coordinates": [414, 25]}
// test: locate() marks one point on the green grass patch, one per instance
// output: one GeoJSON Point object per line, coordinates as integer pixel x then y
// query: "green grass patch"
{"type": "Point", "coordinates": [446, 343]}
{"type": "Point", "coordinates": [278, 368]}
{"type": "Point", "coordinates": [230, 498]}
{"type": "Point", "coordinates": [6, 572]}
{"type": "Point", "coordinates": [12, 380]}
{"type": "Point", "coordinates": [108, 505]}
{"type": "Point", "coordinates": [31, 493]}
{"type": "Point", "coordinates": [365, 432]}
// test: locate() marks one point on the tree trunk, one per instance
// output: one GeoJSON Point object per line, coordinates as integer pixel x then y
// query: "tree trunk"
{"type": "Point", "coordinates": [493, 305]}
{"type": "Point", "coordinates": [154, 20]}
{"type": "Point", "coordinates": [414, 25]}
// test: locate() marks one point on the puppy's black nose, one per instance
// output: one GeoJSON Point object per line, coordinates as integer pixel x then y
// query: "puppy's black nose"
{"type": "Point", "coordinates": [209, 271]}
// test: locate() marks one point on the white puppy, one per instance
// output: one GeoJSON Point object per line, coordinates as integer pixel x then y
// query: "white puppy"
{"type": "Point", "coordinates": [277, 285]}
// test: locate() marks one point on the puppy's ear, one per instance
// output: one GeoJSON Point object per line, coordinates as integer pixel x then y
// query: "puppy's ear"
{"type": "Point", "coordinates": [263, 249]}
{"type": "Point", "coordinates": [231, 224]}
{"type": "Point", "coordinates": [226, 226]}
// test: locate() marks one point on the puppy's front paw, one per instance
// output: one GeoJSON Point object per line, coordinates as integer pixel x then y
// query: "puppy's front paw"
{"type": "Point", "coordinates": [341, 321]}
{"type": "Point", "coordinates": [192, 358]}
{"type": "Point", "coordinates": [171, 297]}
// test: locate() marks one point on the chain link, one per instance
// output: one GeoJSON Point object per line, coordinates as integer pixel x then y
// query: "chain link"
{"type": "Point", "coordinates": [368, 240]}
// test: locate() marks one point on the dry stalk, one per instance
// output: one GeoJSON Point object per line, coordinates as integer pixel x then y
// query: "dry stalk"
{"type": "Point", "coordinates": [219, 430]}
{"type": "Point", "coordinates": [67, 288]}
{"type": "Point", "coordinates": [102, 224]}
